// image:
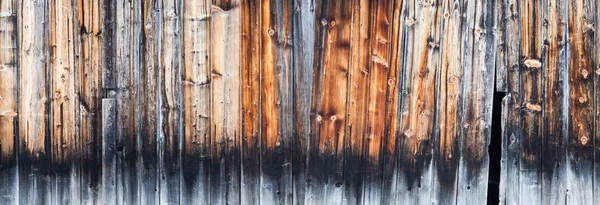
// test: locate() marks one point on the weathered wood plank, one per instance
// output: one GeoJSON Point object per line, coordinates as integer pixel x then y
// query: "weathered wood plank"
{"type": "Point", "coordinates": [275, 141]}
{"type": "Point", "coordinates": [501, 49]}
{"type": "Point", "coordinates": [95, 70]}
{"type": "Point", "coordinates": [169, 101]}
{"type": "Point", "coordinates": [376, 124]}
{"type": "Point", "coordinates": [503, 189]}
{"type": "Point", "coordinates": [477, 102]}
{"type": "Point", "coordinates": [148, 157]}
{"type": "Point", "coordinates": [127, 37]}
{"type": "Point", "coordinates": [329, 112]}
{"type": "Point", "coordinates": [418, 104]}
{"type": "Point", "coordinates": [226, 101]}
{"type": "Point", "coordinates": [450, 83]}
{"type": "Point", "coordinates": [8, 103]}
{"type": "Point", "coordinates": [303, 27]}
{"type": "Point", "coordinates": [554, 189]}
{"type": "Point", "coordinates": [34, 103]}
{"type": "Point", "coordinates": [109, 151]}
{"type": "Point", "coordinates": [196, 99]}
{"type": "Point", "coordinates": [580, 157]}
{"type": "Point", "coordinates": [64, 62]}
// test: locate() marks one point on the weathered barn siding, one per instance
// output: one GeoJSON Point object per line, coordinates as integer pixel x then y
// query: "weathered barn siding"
{"type": "Point", "coordinates": [297, 101]}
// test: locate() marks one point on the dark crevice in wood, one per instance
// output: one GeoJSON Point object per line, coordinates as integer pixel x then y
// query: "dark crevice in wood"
{"type": "Point", "coordinates": [495, 150]}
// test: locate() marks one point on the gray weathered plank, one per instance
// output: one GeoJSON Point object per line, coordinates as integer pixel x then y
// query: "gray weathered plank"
{"type": "Point", "coordinates": [109, 151]}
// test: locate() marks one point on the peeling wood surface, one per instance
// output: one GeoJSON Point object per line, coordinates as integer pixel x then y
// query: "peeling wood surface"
{"type": "Point", "coordinates": [297, 101]}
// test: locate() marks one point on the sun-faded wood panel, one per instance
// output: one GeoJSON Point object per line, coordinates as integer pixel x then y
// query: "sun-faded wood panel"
{"type": "Point", "coordinates": [8, 102]}
{"type": "Point", "coordinates": [554, 66]}
{"type": "Point", "coordinates": [580, 156]}
{"type": "Point", "coordinates": [64, 45]}
{"type": "Point", "coordinates": [304, 24]}
{"type": "Point", "coordinates": [196, 99]}
{"type": "Point", "coordinates": [275, 116]}
{"type": "Point", "coordinates": [169, 100]}
{"type": "Point", "coordinates": [418, 104]}
{"type": "Point", "coordinates": [91, 66]}
{"type": "Point", "coordinates": [501, 45]}
{"type": "Point", "coordinates": [251, 101]}
{"type": "Point", "coordinates": [476, 122]}
{"type": "Point", "coordinates": [127, 61]}
{"type": "Point", "coordinates": [446, 146]}
{"type": "Point", "coordinates": [34, 103]}
{"type": "Point", "coordinates": [226, 101]}
{"type": "Point", "coordinates": [148, 157]}
{"type": "Point", "coordinates": [357, 103]}
{"type": "Point", "coordinates": [328, 112]}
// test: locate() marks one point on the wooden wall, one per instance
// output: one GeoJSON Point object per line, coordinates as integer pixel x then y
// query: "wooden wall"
{"type": "Point", "coordinates": [297, 101]}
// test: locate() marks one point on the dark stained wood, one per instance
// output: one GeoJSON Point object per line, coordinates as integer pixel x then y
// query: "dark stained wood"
{"type": "Point", "coordinates": [109, 151]}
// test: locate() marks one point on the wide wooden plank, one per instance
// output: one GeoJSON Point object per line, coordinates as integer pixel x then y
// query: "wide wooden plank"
{"type": "Point", "coordinates": [169, 101]}
{"type": "Point", "coordinates": [304, 24]}
{"type": "Point", "coordinates": [580, 157]}
{"type": "Point", "coordinates": [95, 69]}
{"type": "Point", "coordinates": [8, 103]}
{"type": "Point", "coordinates": [450, 83]}
{"type": "Point", "coordinates": [476, 122]}
{"type": "Point", "coordinates": [329, 112]}
{"type": "Point", "coordinates": [554, 189]}
{"type": "Point", "coordinates": [127, 60]}
{"type": "Point", "coordinates": [34, 103]}
{"type": "Point", "coordinates": [275, 104]}
{"type": "Point", "coordinates": [196, 99]}
{"type": "Point", "coordinates": [226, 101]}
{"type": "Point", "coordinates": [148, 157]}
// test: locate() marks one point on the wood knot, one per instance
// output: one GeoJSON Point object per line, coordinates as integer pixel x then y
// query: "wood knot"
{"type": "Point", "coordinates": [332, 24]}
{"type": "Point", "coordinates": [449, 156]}
{"type": "Point", "coordinates": [408, 133]}
{"type": "Point", "coordinates": [319, 118]}
{"type": "Point", "coordinates": [333, 118]}
{"type": "Point", "coordinates": [391, 82]}
{"type": "Point", "coordinates": [582, 99]}
{"type": "Point", "coordinates": [446, 15]}
{"type": "Point", "coordinates": [271, 32]}
{"type": "Point", "coordinates": [533, 63]}
{"type": "Point", "coordinates": [533, 107]}
{"type": "Point", "coordinates": [584, 140]}
{"type": "Point", "coordinates": [584, 73]}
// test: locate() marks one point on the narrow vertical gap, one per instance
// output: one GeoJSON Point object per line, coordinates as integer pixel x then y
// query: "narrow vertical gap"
{"type": "Point", "coordinates": [495, 150]}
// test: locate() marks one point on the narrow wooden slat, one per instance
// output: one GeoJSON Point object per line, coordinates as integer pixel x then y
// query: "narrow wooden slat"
{"type": "Point", "coordinates": [170, 97]}
{"type": "Point", "coordinates": [34, 103]}
{"type": "Point", "coordinates": [226, 101]}
{"type": "Point", "coordinates": [329, 109]}
{"type": "Point", "coordinates": [596, 73]}
{"type": "Point", "coordinates": [304, 43]}
{"type": "Point", "coordinates": [376, 124]}
{"type": "Point", "coordinates": [418, 104]}
{"type": "Point", "coordinates": [502, 192]}
{"type": "Point", "coordinates": [127, 33]}
{"type": "Point", "coordinates": [251, 103]}
{"type": "Point", "coordinates": [450, 82]}
{"type": "Point", "coordinates": [580, 157]}
{"type": "Point", "coordinates": [66, 141]}
{"type": "Point", "coordinates": [109, 151]}
{"type": "Point", "coordinates": [196, 99]}
{"type": "Point", "coordinates": [94, 71]}
{"type": "Point", "coordinates": [501, 45]}
{"type": "Point", "coordinates": [511, 138]}
{"type": "Point", "coordinates": [275, 141]}
{"type": "Point", "coordinates": [357, 103]}
{"type": "Point", "coordinates": [477, 102]}
{"type": "Point", "coordinates": [148, 174]}
{"type": "Point", "coordinates": [8, 103]}
{"type": "Point", "coordinates": [554, 100]}
{"type": "Point", "coordinates": [530, 94]}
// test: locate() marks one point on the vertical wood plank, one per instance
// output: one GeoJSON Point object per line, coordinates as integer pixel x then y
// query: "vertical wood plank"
{"type": "Point", "coordinates": [64, 59]}
{"type": "Point", "coordinates": [196, 102]}
{"type": "Point", "coordinates": [275, 159]}
{"type": "Point", "coordinates": [95, 61]}
{"type": "Point", "coordinates": [109, 151]}
{"type": "Point", "coordinates": [34, 105]}
{"type": "Point", "coordinates": [170, 97]}
{"type": "Point", "coordinates": [554, 189]}
{"type": "Point", "coordinates": [8, 103]}
{"type": "Point", "coordinates": [329, 108]}
{"type": "Point", "coordinates": [581, 66]}
{"type": "Point", "coordinates": [226, 101]}
{"type": "Point", "coordinates": [127, 34]}
{"type": "Point", "coordinates": [357, 103]}
{"type": "Point", "coordinates": [450, 82]}
{"type": "Point", "coordinates": [251, 101]}
{"type": "Point", "coordinates": [501, 54]}
{"type": "Point", "coordinates": [149, 104]}
{"type": "Point", "coordinates": [304, 51]}
{"type": "Point", "coordinates": [418, 104]}
{"type": "Point", "coordinates": [379, 69]}
{"type": "Point", "coordinates": [477, 95]}
{"type": "Point", "coordinates": [502, 192]}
